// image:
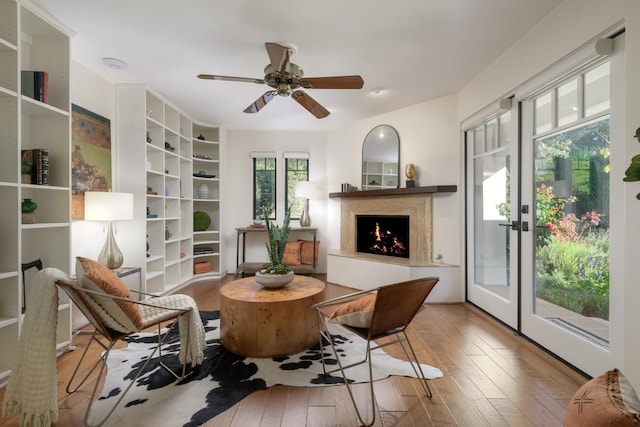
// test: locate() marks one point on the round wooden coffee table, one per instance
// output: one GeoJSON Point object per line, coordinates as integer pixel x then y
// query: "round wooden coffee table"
{"type": "Point", "coordinates": [260, 322]}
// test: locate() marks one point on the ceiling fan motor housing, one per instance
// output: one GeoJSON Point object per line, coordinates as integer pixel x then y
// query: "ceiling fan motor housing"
{"type": "Point", "coordinates": [283, 82]}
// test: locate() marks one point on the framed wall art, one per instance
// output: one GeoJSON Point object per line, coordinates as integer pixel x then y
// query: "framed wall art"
{"type": "Point", "coordinates": [90, 156]}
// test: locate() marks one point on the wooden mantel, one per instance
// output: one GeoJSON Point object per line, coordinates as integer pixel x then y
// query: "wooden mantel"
{"type": "Point", "coordinates": [398, 191]}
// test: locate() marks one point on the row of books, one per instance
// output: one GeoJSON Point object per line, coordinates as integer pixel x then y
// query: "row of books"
{"type": "Point", "coordinates": [35, 84]}
{"type": "Point", "coordinates": [35, 166]}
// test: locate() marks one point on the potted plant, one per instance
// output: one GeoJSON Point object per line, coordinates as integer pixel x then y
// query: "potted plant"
{"type": "Point", "coordinates": [632, 174]}
{"type": "Point", "coordinates": [275, 274]}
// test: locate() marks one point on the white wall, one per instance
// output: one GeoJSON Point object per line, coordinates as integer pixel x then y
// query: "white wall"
{"type": "Point", "coordinates": [238, 211]}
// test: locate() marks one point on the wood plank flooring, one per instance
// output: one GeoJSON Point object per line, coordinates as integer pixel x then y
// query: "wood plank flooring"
{"type": "Point", "coordinates": [492, 377]}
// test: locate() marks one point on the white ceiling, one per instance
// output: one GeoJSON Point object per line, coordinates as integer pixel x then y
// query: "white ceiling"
{"type": "Point", "coordinates": [412, 50]}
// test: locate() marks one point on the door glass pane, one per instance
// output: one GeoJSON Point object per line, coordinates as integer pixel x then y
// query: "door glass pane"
{"type": "Point", "coordinates": [478, 140]}
{"type": "Point", "coordinates": [491, 136]}
{"type": "Point", "coordinates": [568, 102]}
{"type": "Point", "coordinates": [572, 230]}
{"type": "Point", "coordinates": [504, 131]}
{"type": "Point", "coordinates": [596, 90]}
{"type": "Point", "coordinates": [542, 113]}
{"type": "Point", "coordinates": [491, 212]}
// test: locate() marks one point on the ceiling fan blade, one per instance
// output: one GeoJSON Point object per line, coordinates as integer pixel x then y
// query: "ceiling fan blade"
{"type": "Point", "coordinates": [278, 55]}
{"type": "Point", "coordinates": [260, 102]}
{"type": "Point", "coordinates": [230, 78]}
{"type": "Point", "coordinates": [337, 82]}
{"type": "Point", "coordinates": [310, 104]}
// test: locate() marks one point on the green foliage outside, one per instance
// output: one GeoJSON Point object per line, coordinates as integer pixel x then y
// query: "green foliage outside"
{"type": "Point", "coordinates": [572, 237]}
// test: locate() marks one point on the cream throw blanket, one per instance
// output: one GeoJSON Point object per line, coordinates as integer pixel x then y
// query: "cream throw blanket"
{"type": "Point", "coordinates": [31, 392]}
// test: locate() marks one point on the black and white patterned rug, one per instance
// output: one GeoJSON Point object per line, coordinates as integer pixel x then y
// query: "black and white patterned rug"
{"type": "Point", "coordinates": [224, 379]}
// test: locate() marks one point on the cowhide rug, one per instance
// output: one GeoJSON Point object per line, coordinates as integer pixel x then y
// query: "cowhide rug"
{"type": "Point", "coordinates": [224, 379]}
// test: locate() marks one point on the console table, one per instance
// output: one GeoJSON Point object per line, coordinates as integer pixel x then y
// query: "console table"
{"type": "Point", "coordinates": [261, 322]}
{"type": "Point", "coordinates": [243, 267]}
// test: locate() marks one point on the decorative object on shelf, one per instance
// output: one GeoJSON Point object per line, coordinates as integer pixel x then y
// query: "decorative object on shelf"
{"type": "Point", "coordinates": [149, 140]}
{"type": "Point", "coordinates": [151, 192]}
{"type": "Point", "coordinates": [169, 147]}
{"type": "Point", "coordinates": [28, 211]}
{"type": "Point", "coordinates": [203, 174]}
{"type": "Point", "coordinates": [150, 114]}
{"type": "Point", "coordinates": [29, 206]}
{"type": "Point", "coordinates": [201, 221]}
{"type": "Point", "coordinates": [110, 207]}
{"type": "Point", "coordinates": [201, 137]}
{"type": "Point", "coordinates": [276, 244]}
{"type": "Point", "coordinates": [203, 191]}
{"type": "Point", "coordinates": [306, 190]}
{"type": "Point", "coordinates": [410, 172]}
{"type": "Point", "coordinates": [35, 166]}
{"type": "Point", "coordinates": [201, 267]}
{"type": "Point", "coordinates": [202, 156]}
{"type": "Point", "coordinates": [167, 233]}
{"type": "Point", "coordinates": [148, 246]}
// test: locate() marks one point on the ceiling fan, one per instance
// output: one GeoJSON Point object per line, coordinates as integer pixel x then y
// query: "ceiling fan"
{"type": "Point", "coordinates": [286, 79]}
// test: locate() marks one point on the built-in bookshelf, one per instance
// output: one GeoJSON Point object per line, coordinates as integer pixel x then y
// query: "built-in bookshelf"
{"type": "Point", "coordinates": [32, 41]}
{"type": "Point", "coordinates": [159, 159]}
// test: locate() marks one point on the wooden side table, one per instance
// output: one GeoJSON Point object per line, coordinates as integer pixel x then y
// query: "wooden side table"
{"type": "Point", "coordinates": [260, 322]}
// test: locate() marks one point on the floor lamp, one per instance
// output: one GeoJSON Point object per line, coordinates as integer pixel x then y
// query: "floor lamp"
{"type": "Point", "coordinates": [306, 190]}
{"type": "Point", "coordinates": [110, 207]}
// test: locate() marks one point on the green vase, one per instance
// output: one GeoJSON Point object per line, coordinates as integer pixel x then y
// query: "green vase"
{"type": "Point", "coordinates": [29, 206]}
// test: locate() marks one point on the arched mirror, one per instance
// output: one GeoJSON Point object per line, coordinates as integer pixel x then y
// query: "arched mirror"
{"type": "Point", "coordinates": [380, 158]}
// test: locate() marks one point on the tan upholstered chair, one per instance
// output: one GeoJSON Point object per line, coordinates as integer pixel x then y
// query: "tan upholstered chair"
{"type": "Point", "coordinates": [385, 312]}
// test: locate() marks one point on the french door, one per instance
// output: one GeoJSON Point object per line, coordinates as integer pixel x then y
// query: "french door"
{"type": "Point", "coordinates": [538, 216]}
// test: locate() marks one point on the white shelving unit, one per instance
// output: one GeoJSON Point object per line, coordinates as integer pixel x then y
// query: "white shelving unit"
{"type": "Point", "coordinates": [30, 40]}
{"type": "Point", "coordinates": [206, 172]}
{"type": "Point", "coordinates": [378, 175]}
{"type": "Point", "coordinates": [156, 163]}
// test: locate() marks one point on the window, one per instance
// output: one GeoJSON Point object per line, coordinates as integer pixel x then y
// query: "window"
{"type": "Point", "coordinates": [297, 169]}
{"type": "Point", "coordinates": [264, 184]}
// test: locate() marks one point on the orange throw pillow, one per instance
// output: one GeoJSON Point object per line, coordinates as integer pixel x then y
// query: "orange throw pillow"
{"type": "Point", "coordinates": [111, 284]}
{"type": "Point", "coordinates": [306, 252]}
{"type": "Point", "coordinates": [291, 254]}
{"type": "Point", "coordinates": [356, 313]}
{"type": "Point", "coordinates": [606, 400]}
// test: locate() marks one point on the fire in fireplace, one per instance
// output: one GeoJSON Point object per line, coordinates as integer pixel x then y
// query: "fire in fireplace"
{"type": "Point", "coordinates": [383, 235]}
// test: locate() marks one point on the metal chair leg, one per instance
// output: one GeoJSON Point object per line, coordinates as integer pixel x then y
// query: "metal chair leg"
{"type": "Point", "coordinates": [103, 363]}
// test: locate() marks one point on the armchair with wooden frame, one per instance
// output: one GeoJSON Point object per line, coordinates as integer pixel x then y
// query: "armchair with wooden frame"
{"type": "Point", "coordinates": [155, 312]}
{"type": "Point", "coordinates": [394, 307]}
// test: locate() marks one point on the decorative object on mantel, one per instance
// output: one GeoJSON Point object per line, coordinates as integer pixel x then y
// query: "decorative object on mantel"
{"type": "Point", "coordinates": [28, 211]}
{"type": "Point", "coordinates": [203, 191]}
{"type": "Point", "coordinates": [275, 274]}
{"type": "Point", "coordinates": [348, 188]}
{"type": "Point", "coordinates": [410, 171]}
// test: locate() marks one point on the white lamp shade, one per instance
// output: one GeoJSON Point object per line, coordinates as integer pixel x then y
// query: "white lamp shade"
{"type": "Point", "coordinates": [307, 190]}
{"type": "Point", "coordinates": [108, 206]}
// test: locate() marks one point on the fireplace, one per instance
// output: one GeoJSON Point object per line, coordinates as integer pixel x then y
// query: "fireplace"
{"type": "Point", "coordinates": [383, 235]}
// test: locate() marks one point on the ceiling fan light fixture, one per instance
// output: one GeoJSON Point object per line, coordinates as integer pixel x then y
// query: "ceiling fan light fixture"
{"type": "Point", "coordinates": [115, 64]}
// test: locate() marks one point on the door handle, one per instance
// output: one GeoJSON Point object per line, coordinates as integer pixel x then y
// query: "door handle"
{"type": "Point", "coordinates": [516, 225]}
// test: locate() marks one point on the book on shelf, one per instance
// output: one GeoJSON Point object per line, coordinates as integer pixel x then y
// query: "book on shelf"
{"type": "Point", "coordinates": [35, 166]}
{"type": "Point", "coordinates": [35, 84]}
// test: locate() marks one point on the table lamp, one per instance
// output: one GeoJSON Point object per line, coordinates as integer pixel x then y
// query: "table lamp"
{"type": "Point", "coordinates": [306, 190]}
{"type": "Point", "coordinates": [108, 206]}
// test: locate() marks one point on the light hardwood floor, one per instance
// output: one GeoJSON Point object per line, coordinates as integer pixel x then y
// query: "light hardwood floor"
{"type": "Point", "coordinates": [492, 377]}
